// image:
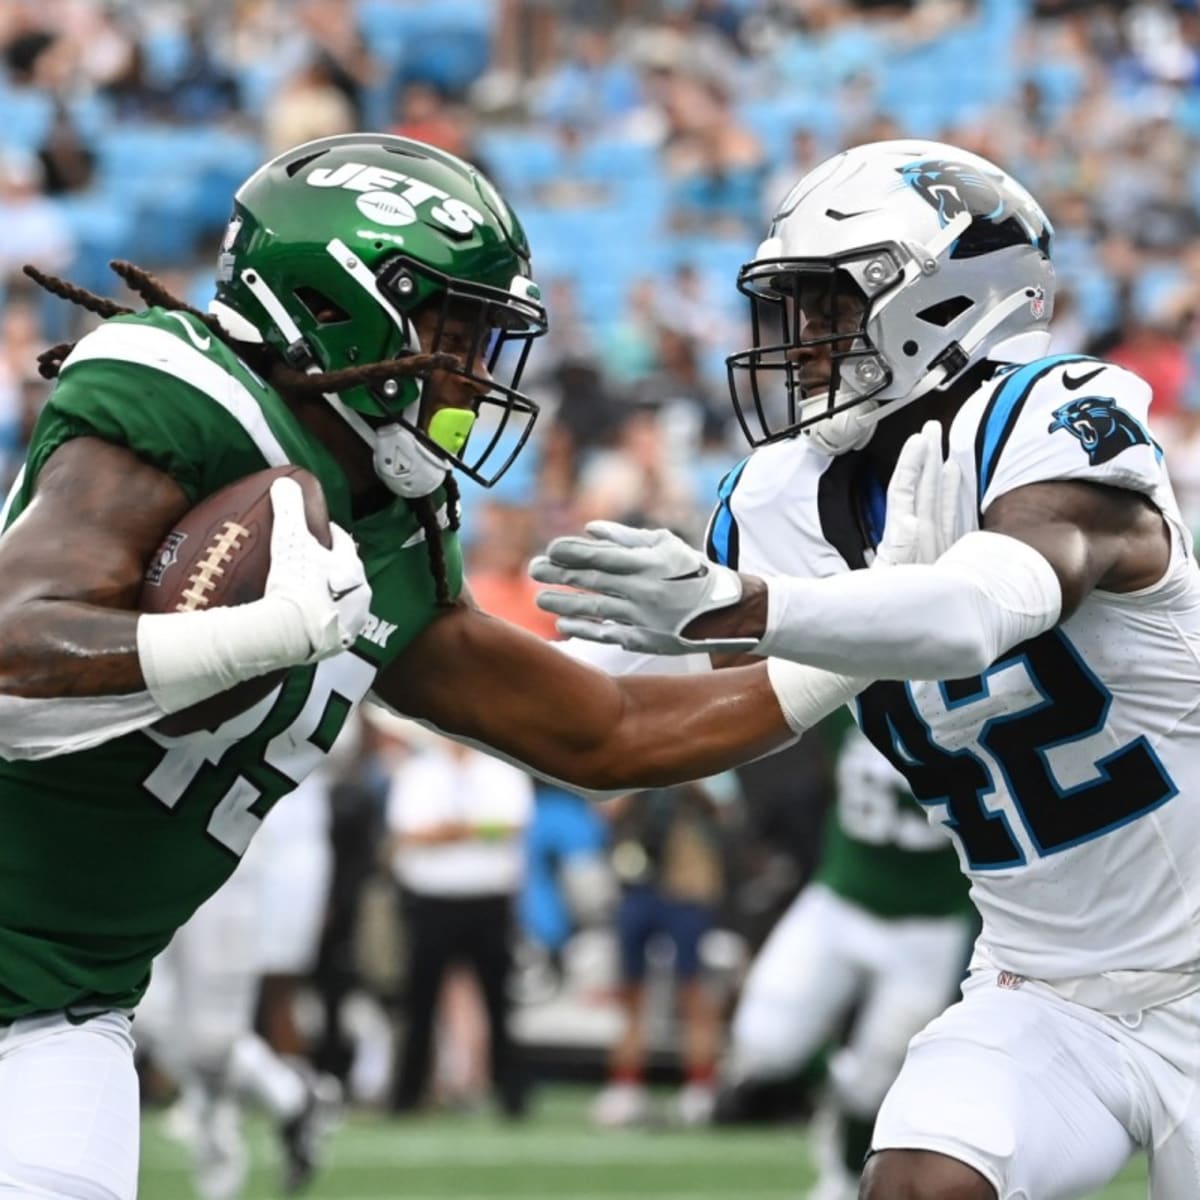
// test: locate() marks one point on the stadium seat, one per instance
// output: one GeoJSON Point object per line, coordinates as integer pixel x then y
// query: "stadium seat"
{"type": "Point", "coordinates": [447, 44]}
{"type": "Point", "coordinates": [26, 117]}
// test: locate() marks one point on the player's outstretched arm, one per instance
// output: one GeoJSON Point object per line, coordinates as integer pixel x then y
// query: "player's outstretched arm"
{"type": "Point", "coordinates": [1043, 548]}
{"type": "Point", "coordinates": [478, 677]}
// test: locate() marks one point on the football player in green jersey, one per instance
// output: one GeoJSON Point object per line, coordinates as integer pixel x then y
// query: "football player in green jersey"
{"type": "Point", "coordinates": [374, 304]}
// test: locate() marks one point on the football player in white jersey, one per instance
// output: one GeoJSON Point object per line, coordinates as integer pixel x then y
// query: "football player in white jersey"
{"type": "Point", "coordinates": [1037, 684]}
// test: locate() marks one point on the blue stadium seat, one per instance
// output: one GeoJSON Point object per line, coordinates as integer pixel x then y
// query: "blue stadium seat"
{"type": "Point", "coordinates": [774, 120]}
{"type": "Point", "coordinates": [519, 159]}
{"type": "Point", "coordinates": [25, 117]}
{"type": "Point", "coordinates": [447, 44]}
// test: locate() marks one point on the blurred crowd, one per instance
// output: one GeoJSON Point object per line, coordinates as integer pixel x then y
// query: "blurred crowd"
{"type": "Point", "coordinates": [644, 146]}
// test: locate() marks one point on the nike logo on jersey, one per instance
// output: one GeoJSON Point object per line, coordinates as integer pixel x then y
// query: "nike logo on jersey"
{"type": "Point", "coordinates": [1074, 384]}
{"type": "Point", "coordinates": [201, 343]}
{"type": "Point", "coordinates": [342, 592]}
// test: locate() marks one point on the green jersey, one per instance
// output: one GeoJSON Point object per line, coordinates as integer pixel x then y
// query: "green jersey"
{"type": "Point", "coordinates": [104, 853]}
{"type": "Point", "coordinates": [880, 850]}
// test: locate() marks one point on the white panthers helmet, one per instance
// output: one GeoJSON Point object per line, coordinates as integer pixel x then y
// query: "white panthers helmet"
{"type": "Point", "coordinates": [946, 260]}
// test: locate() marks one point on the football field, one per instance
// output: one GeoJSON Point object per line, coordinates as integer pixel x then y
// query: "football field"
{"type": "Point", "coordinates": [554, 1155]}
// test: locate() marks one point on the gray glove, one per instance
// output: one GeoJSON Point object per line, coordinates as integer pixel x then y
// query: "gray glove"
{"type": "Point", "coordinates": [641, 587]}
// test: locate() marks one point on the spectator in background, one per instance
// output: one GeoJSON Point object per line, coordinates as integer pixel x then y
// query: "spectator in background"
{"type": "Point", "coordinates": [590, 86]}
{"type": "Point", "coordinates": [348, 62]}
{"type": "Point", "coordinates": [803, 154]}
{"type": "Point", "coordinates": [457, 818]}
{"type": "Point", "coordinates": [1151, 346]}
{"type": "Point", "coordinates": [631, 344]}
{"type": "Point", "coordinates": [636, 481]}
{"type": "Point", "coordinates": [667, 854]}
{"type": "Point", "coordinates": [67, 161]}
{"type": "Point", "coordinates": [679, 380]}
{"type": "Point", "coordinates": [22, 390]}
{"type": "Point", "coordinates": [422, 112]}
{"type": "Point", "coordinates": [715, 161]}
{"type": "Point", "coordinates": [132, 93]}
{"type": "Point", "coordinates": [308, 105]}
{"type": "Point", "coordinates": [524, 44]}
{"type": "Point", "coordinates": [32, 229]}
{"type": "Point", "coordinates": [505, 539]}
{"type": "Point", "coordinates": [203, 90]}
{"type": "Point", "coordinates": [571, 185]}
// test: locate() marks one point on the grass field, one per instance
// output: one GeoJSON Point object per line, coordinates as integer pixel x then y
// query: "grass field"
{"type": "Point", "coordinates": [552, 1156]}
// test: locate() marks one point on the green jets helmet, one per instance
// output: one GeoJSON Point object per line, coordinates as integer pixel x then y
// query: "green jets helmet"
{"type": "Point", "coordinates": [332, 248]}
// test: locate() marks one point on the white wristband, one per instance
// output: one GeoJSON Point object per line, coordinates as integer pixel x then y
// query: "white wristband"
{"type": "Point", "coordinates": [807, 694]}
{"type": "Point", "coordinates": [187, 657]}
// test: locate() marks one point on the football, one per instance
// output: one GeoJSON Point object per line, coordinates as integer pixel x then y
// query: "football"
{"type": "Point", "coordinates": [218, 554]}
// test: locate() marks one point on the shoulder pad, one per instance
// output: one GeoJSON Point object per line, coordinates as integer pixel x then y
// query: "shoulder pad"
{"type": "Point", "coordinates": [1066, 417]}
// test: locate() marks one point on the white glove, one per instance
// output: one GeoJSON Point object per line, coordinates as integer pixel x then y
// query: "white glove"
{"type": "Point", "coordinates": [922, 502]}
{"type": "Point", "coordinates": [641, 588]}
{"type": "Point", "coordinates": [328, 589]}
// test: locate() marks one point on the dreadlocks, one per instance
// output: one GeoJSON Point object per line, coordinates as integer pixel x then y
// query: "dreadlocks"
{"type": "Point", "coordinates": [277, 373]}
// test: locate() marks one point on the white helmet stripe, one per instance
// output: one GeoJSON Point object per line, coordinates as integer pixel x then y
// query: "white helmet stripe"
{"type": "Point", "coordinates": [266, 297]}
{"type": "Point", "coordinates": [362, 275]}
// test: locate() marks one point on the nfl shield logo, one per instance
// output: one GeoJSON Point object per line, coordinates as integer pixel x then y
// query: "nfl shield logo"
{"type": "Point", "coordinates": [1009, 980]}
{"type": "Point", "coordinates": [164, 556]}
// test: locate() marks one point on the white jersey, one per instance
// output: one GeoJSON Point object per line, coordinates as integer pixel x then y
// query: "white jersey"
{"type": "Point", "coordinates": [1068, 772]}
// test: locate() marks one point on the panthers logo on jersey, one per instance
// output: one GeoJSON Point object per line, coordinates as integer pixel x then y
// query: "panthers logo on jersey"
{"type": "Point", "coordinates": [1103, 428]}
{"type": "Point", "coordinates": [953, 188]}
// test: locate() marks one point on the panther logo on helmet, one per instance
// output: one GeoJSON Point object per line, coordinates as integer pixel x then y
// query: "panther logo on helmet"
{"type": "Point", "coordinates": [1103, 428]}
{"type": "Point", "coordinates": [953, 188]}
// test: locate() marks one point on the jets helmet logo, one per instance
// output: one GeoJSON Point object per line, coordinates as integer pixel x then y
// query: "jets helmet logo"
{"type": "Point", "coordinates": [1103, 428]}
{"type": "Point", "coordinates": [953, 188]}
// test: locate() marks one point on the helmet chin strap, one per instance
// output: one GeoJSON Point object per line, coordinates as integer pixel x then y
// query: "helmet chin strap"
{"type": "Point", "coordinates": [403, 462]}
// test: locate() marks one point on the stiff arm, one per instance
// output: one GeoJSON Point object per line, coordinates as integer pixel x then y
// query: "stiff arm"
{"type": "Point", "coordinates": [479, 678]}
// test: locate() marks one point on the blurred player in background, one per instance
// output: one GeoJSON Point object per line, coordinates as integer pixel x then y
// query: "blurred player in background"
{"type": "Point", "coordinates": [197, 1022]}
{"type": "Point", "coordinates": [1038, 680]}
{"type": "Point", "coordinates": [668, 854]}
{"type": "Point", "coordinates": [882, 932]}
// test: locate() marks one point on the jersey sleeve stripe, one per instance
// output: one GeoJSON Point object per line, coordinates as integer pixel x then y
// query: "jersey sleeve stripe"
{"type": "Point", "coordinates": [1003, 409]}
{"type": "Point", "coordinates": [722, 541]}
{"type": "Point", "coordinates": [162, 351]}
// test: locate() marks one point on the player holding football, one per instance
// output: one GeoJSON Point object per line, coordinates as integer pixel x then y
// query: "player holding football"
{"type": "Point", "coordinates": [370, 291]}
{"type": "Point", "coordinates": [1050, 717]}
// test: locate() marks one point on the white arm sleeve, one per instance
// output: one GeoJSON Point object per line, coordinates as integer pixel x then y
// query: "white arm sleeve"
{"type": "Point", "coordinates": [947, 620]}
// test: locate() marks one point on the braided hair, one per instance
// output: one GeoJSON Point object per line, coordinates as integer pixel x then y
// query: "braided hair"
{"type": "Point", "coordinates": [277, 373]}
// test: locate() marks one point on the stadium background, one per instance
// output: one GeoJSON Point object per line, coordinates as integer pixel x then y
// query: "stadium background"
{"type": "Point", "coordinates": [644, 145]}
